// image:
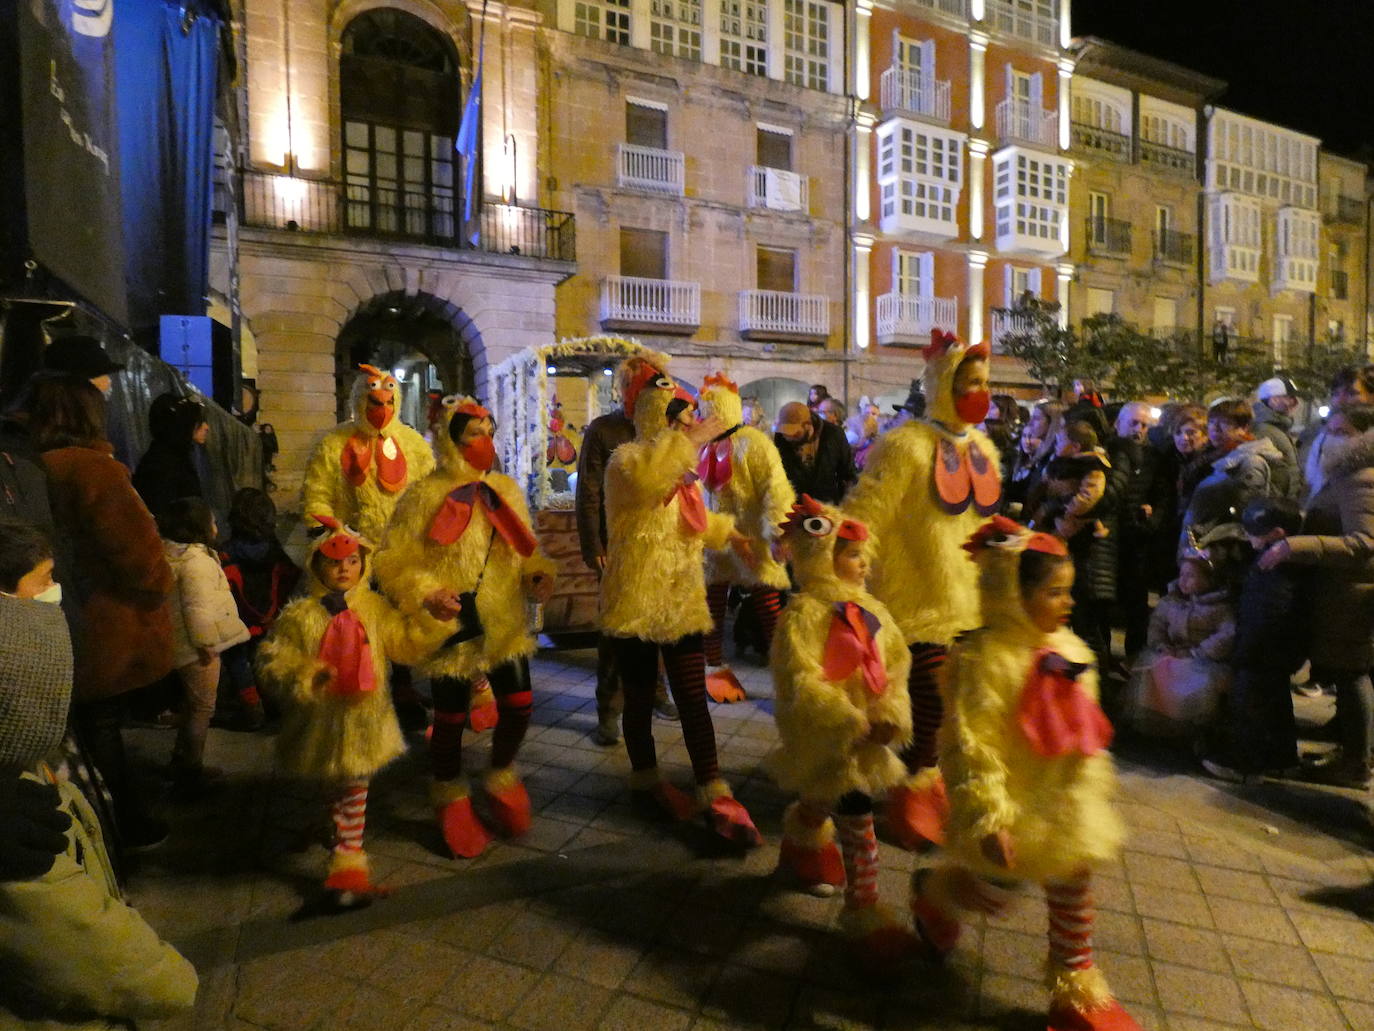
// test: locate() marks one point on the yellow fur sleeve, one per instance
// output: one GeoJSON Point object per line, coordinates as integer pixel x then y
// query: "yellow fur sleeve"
{"type": "Point", "coordinates": [888, 473]}
{"type": "Point", "coordinates": [651, 470]}
{"type": "Point", "coordinates": [972, 750]}
{"type": "Point", "coordinates": [287, 658]}
{"type": "Point", "coordinates": [778, 496]}
{"type": "Point", "coordinates": [406, 640]}
{"type": "Point", "coordinates": [894, 706]}
{"type": "Point", "coordinates": [1089, 493]}
{"type": "Point", "coordinates": [719, 527]}
{"type": "Point", "coordinates": [402, 567]}
{"type": "Point", "coordinates": [808, 703]}
{"type": "Point", "coordinates": [323, 478]}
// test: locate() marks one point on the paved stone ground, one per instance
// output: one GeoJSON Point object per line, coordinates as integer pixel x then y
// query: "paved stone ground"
{"type": "Point", "coordinates": [1231, 908]}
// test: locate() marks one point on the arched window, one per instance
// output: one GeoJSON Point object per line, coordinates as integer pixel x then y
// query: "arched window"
{"type": "Point", "coordinates": [400, 99]}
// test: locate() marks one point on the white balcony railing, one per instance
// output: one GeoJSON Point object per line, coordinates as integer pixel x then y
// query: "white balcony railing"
{"type": "Point", "coordinates": [1021, 120]}
{"type": "Point", "coordinates": [1013, 18]}
{"type": "Point", "coordinates": [1005, 323]}
{"type": "Point", "coordinates": [778, 312]}
{"type": "Point", "coordinates": [901, 89]}
{"type": "Point", "coordinates": [650, 302]}
{"type": "Point", "coordinates": [903, 316]}
{"type": "Point", "coordinates": [648, 168]}
{"type": "Point", "coordinates": [778, 189]}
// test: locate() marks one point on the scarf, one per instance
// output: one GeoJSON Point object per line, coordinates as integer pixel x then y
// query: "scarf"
{"type": "Point", "coordinates": [361, 449]}
{"type": "Point", "coordinates": [1056, 714]}
{"type": "Point", "coordinates": [853, 643]}
{"type": "Point", "coordinates": [345, 648]}
{"type": "Point", "coordinates": [454, 515]}
{"type": "Point", "coordinates": [691, 506]}
{"type": "Point", "coordinates": [35, 680]}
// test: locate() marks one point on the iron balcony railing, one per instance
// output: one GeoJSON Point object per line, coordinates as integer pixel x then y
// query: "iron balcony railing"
{"type": "Point", "coordinates": [325, 206]}
{"type": "Point", "coordinates": [637, 301]}
{"type": "Point", "coordinates": [1027, 122]}
{"type": "Point", "coordinates": [910, 315]}
{"type": "Point", "coordinates": [1169, 158]}
{"type": "Point", "coordinates": [1092, 137]}
{"type": "Point", "coordinates": [1173, 247]}
{"type": "Point", "coordinates": [1013, 18]}
{"type": "Point", "coordinates": [1340, 285]}
{"type": "Point", "coordinates": [1009, 322]}
{"type": "Point", "coordinates": [1108, 235]}
{"type": "Point", "coordinates": [902, 89]}
{"type": "Point", "coordinates": [780, 312]}
{"type": "Point", "coordinates": [648, 168]}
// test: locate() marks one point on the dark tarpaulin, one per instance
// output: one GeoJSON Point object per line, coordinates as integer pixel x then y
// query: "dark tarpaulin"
{"type": "Point", "coordinates": [166, 74]}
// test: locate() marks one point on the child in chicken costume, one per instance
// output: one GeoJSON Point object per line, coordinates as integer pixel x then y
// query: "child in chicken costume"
{"type": "Point", "coordinates": [927, 485]}
{"type": "Point", "coordinates": [653, 592]}
{"type": "Point", "coordinates": [325, 661]}
{"type": "Point", "coordinates": [839, 670]}
{"type": "Point", "coordinates": [1030, 783]}
{"type": "Point", "coordinates": [360, 469]}
{"type": "Point", "coordinates": [743, 477]}
{"type": "Point", "coordinates": [467, 529]}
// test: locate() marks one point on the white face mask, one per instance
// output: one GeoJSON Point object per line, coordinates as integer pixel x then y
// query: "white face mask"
{"type": "Point", "coordinates": [51, 594]}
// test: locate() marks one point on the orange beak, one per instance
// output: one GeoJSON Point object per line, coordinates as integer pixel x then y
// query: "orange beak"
{"type": "Point", "coordinates": [381, 406]}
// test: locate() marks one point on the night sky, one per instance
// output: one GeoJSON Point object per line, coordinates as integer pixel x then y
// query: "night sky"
{"type": "Point", "coordinates": [1305, 64]}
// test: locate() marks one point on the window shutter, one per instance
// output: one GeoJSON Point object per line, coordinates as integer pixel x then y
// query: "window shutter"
{"type": "Point", "coordinates": [926, 274]}
{"type": "Point", "coordinates": [1008, 286]}
{"type": "Point", "coordinates": [1033, 278]}
{"type": "Point", "coordinates": [928, 59]}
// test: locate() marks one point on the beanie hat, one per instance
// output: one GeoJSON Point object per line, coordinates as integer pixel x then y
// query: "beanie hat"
{"type": "Point", "coordinates": [35, 680]}
{"type": "Point", "coordinates": [1278, 386]}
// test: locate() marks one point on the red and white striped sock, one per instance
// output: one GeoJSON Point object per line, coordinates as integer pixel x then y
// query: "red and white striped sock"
{"type": "Point", "coordinates": [1071, 921]}
{"type": "Point", "coordinates": [859, 846]}
{"type": "Point", "coordinates": [350, 815]}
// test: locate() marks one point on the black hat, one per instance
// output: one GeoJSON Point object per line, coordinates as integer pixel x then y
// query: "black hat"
{"type": "Point", "coordinates": [79, 356]}
{"type": "Point", "coordinates": [915, 402]}
{"type": "Point", "coordinates": [1265, 514]}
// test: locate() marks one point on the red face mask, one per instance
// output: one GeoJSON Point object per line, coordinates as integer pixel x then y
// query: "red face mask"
{"type": "Point", "coordinates": [480, 453]}
{"type": "Point", "coordinates": [973, 407]}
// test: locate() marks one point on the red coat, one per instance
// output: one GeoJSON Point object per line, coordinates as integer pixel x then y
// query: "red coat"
{"type": "Point", "coordinates": [121, 579]}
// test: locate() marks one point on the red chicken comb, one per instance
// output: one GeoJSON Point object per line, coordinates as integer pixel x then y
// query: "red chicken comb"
{"type": "Point", "coordinates": [720, 379]}
{"type": "Point", "coordinates": [803, 508]}
{"type": "Point", "coordinates": [1001, 532]}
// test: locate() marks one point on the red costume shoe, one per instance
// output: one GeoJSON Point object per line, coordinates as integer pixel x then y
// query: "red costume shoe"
{"type": "Point", "coordinates": [723, 686]}
{"type": "Point", "coordinates": [726, 817]}
{"type": "Point", "coordinates": [482, 714]}
{"type": "Point", "coordinates": [934, 922]}
{"type": "Point", "coordinates": [1081, 1001]}
{"type": "Point", "coordinates": [652, 791]}
{"type": "Point", "coordinates": [349, 880]}
{"type": "Point", "coordinates": [917, 810]}
{"type": "Point", "coordinates": [509, 801]}
{"type": "Point", "coordinates": [463, 833]}
{"type": "Point", "coordinates": [809, 854]}
{"type": "Point", "coordinates": [880, 942]}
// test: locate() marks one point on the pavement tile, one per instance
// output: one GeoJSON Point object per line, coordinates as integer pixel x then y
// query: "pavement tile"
{"type": "Point", "coordinates": [1113, 893]}
{"type": "Point", "coordinates": [1289, 965]}
{"type": "Point", "coordinates": [1359, 1014]}
{"type": "Point", "coordinates": [290, 1003]}
{"type": "Point", "coordinates": [628, 1013]}
{"type": "Point", "coordinates": [1332, 934]}
{"type": "Point", "coordinates": [1276, 1008]}
{"type": "Point", "coordinates": [599, 959]}
{"type": "Point", "coordinates": [1186, 946]}
{"type": "Point", "coordinates": [1119, 932]}
{"type": "Point", "coordinates": [782, 949]}
{"type": "Point", "coordinates": [1178, 1022]}
{"type": "Point", "coordinates": [1222, 853]}
{"type": "Point", "coordinates": [1253, 920]}
{"type": "Point", "coordinates": [748, 998]}
{"type": "Point", "coordinates": [486, 988]}
{"type": "Point", "coordinates": [559, 1003]}
{"type": "Point", "coordinates": [679, 979]}
{"type": "Point", "coordinates": [1347, 976]}
{"type": "Point", "coordinates": [1144, 868]}
{"type": "Point", "coordinates": [1157, 843]}
{"type": "Point", "coordinates": [533, 940]}
{"type": "Point", "coordinates": [469, 929]}
{"type": "Point", "coordinates": [1180, 907]}
{"type": "Point", "coordinates": [1129, 976]}
{"type": "Point", "coordinates": [825, 1010]}
{"type": "Point", "coordinates": [1003, 996]}
{"type": "Point", "coordinates": [1013, 953]}
{"type": "Point", "coordinates": [711, 932]}
{"type": "Point", "coordinates": [416, 969]}
{"type": "Point", "coordinates": [1235, 884]}
{"type": "Point", "coordinates": [1199, 993]}
{"type": "Point", "coordinates": [374, 1009]}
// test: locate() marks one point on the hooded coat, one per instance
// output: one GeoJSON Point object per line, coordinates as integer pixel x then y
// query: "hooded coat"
{"type": "Point", "coordinates": [757, 496]}
{"type": "Point", "coordinates": [202, 607]}
{"type": "Point", "coordinates": [411, 565]}
{"type": "Point", "coordinates": [168, 472]}
{"type": "Point", "coordinates": [1058, 811]}
{"type": "Point", "coordinates": [823, 723]}
{"type": "Point", "coordinates": [1337, 541]}
{"type": "Point", "coordinates": [367, 507]}
{"type": "Point", "coordinates": [327, 736]}
{"type": "Point", "coordinates": [654, 588]}
{"type": "Point", "coordinates": [921, 573]}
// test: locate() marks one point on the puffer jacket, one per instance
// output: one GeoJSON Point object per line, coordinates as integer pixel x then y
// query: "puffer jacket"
{"type": "Point", "coordinates": [1198, 626]}
{"type": "Point", "coordinates": [204, 613]}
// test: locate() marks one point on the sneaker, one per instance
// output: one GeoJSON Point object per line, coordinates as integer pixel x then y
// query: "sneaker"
{"type": "Point", "coordinates": [664, 709]}
{"type": "Point", "coordinates": [1231, 776]}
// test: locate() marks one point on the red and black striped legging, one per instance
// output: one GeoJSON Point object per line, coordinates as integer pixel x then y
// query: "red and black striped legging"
{"type": "Point", "coordinates": [510, 682]}
{"type": "Point", "coordinates": [685, 664]}
{"type": "Point", "coordinates": [765, 602]}
{"type": "Point", "coordinates": [927, 710]}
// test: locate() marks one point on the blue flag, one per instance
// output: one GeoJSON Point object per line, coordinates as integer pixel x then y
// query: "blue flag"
{"type": "Point", "coordinates": [466, 143]}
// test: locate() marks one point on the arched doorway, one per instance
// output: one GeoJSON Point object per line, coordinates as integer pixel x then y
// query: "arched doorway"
{"type": "Point", "coordinates": [426, 342]}
{"type": "Point", "coordinates": [774, 392]}
{"type": "Point", "coordinates": [400, 98]}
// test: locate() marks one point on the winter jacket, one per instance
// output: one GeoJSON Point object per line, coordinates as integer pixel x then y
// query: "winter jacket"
{"type": "Point", "coordinates": [367, 507]}
{"type": "Point", "coordinates": [1278, 429]}
{"type": "Point", "coordinates": [73, 954]}
{"type": "Point", "coordinates": [831, 472]}
{"type": "Point", "coordinates": [167, 473]}
{"type": "Point", "coordinates": [602, 436]}
{"type": "Point", "coordinates": [1311, 444]}
{"type": "Point", "coordinates": [823, 723]}
{"type": "Point", "coordinates": [1337, 541]}
{"type": "Point", "coordinates": [1272, 619]}
{"type": "Point", "coordinates": [121, 578]}
{"type": "Point", "coordinates": [1200, 626]}
{"type": "Point", "coordinates": [261, 577]}
{"type": "Point", "coordinates": [202, 607]}
{"type": "Point", "coordinates": [1235, 478]}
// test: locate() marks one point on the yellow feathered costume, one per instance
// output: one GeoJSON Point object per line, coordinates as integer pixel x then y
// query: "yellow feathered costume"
{"type": "Point", "coordinates": [359, 470]}
{"type": "Point", "coordinates": [920, 573]}
{"type": "Point", "coordinates": [757, 496]}
{"type": "Point", "coordinates": [411, 565]}
{"type": "Point", "coordinates": [1058, 810]}
{"type": "Point", "coordinates": [331, 737]}
{"type": "Point", "coordinates": [653, 588]}
{"type": "Point", "coordinates": [822, 723]}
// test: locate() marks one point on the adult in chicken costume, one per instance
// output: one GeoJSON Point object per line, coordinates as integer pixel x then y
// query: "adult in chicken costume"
{"type": "Point", "coordinates": [743, 477]}
{"type": "Point", "coordinates": [360, 469]}
{"type": "Point", "coordinates": [839, 670]}
{"type": "Point", "coordinates": [927, 485]}
{"type": "Point", "coordinates": [653, 593]}
{"type": "Point", "coordinates": [1030, 781]}
{"type": "Point", "coordinates": [467, 529]}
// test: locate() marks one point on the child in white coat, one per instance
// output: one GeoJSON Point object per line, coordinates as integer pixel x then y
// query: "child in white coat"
{"type": "Point", "coordinates": [205, 622]}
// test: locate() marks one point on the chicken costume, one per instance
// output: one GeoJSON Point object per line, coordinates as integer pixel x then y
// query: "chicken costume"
{"type": "Point", "coordinates": [467, 529]}
{"type": "Point", "coordinates": [839, 670]}
{"type": "Point", "coordinates": [741, 472]}
{"type": "Point", "coordinates": [653, 594]}
{"type": "Point", "coordinates": [1023, 750]}
{"type": "Point", "coordinates": [926, 486]}
{"type": "Point", "coordinates": [360, 469]}
{"type": "Point", "coordinates": [326, 661]}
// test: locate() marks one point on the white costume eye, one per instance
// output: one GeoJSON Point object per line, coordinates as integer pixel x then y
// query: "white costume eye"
{"type": "Point", "coordinates": [663, 383]}
{"type": "Point", "coordinates": [450, 401]}
{"type": "Point", "coordinates": [1003, 540]}
{"type": "Point", "coordinates": [373, 384]}
{"type": "Point", "coordinates": [817, 526]}
{"type": "Point", "coordinates": [350, 531]}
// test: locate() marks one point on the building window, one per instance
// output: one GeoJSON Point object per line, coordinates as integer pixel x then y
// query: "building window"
{"type": "Point", "coordinates": [603, 19]}
{"type": "Point", "coordinates": [1100, 302]}
{"type": "Point", "coordinates": [1098, 113]}
{"type": "Point", "coordinates": [920, 171]}
{"type": "Point", "coordinates": [806, 43]}
{"type": "Point", "coordinates": [1165, 315]}
{"type": "Point", "coordinates": [1283, 334]}
{"type": "Point", "coordinates": [1225, 317]}
{"type": "Point", "coordinates": [643, 253]}
{"type": "Point", "coordinates": [1164, 220]}
{"type": "Point", "coordinates": [777, 269]}
{"type": "Point", "coordinates": [1031, 194]}
{"type": "Point", "coordinates": [744, 36]}
{"type": "Point", "coordinates": [675, 28]}
{"type": "Point", "coordinates": [1262, 162]}
{"type": "Point", "coordinates": [1165, 131]}
{"type": "Point", "coordinates": [913, 275]}
{"type": "Point", "coordinates": [1020, 286]}
{"type": "Point", "coordinates": [774, 149]}
{"type": "Point", "coordinates": [646, 126]}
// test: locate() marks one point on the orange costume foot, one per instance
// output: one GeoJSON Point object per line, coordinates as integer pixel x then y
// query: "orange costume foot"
{"type": "Point", "coordinates": [349, 879]}
{"type": "Point", "coordinates": [809, 855]}
{"type": "Point", "coordinates": [650, 792]}
{"type": "Point", "coordinates": [1112, 1017]}
{"type": "Point", "coordinates": [463, 833]}
{"type": "Point", "coordinates": [917, 811]}
{"type": "Point", "coordinates": [509, 801]}
{"type": "Point", "coordinates": [723, 686]}
{"type": "Point", "coordinates": [726, 816]}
